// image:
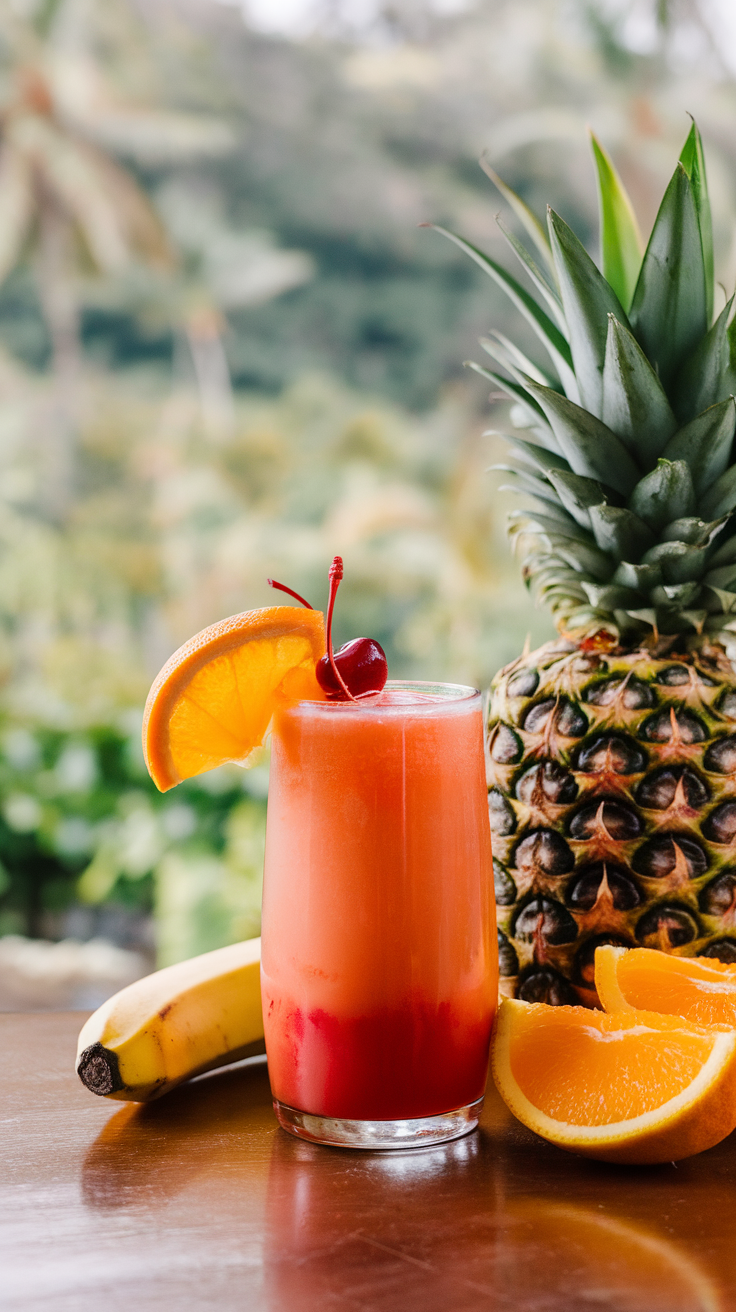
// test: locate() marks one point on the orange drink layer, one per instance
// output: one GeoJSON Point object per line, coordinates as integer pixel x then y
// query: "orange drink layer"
{"type": "Point", "coordinates": [379, 959]}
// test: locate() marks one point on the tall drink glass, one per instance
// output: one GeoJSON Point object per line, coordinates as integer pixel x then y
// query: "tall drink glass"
{"type": "Point", "coordinates": [379, 961]}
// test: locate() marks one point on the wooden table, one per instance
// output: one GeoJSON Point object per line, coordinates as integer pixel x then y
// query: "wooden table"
{"type": "Point", "coordinates": [199, 1201]}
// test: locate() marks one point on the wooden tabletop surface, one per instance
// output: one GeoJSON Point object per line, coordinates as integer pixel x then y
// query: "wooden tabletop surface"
{"type": "Point", "coordinates": [199, 1201]}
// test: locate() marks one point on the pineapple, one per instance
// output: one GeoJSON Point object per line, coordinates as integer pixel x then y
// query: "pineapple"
{"type": "Point", "coordinates": [612, 750]}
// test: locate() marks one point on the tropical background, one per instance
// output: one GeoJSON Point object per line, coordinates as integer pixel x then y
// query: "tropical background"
{"type": "Point", "coordinates": [229, 350]}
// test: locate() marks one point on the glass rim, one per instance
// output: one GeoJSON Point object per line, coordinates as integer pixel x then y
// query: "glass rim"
{"type": "Point", "coordinates": [433, 697]}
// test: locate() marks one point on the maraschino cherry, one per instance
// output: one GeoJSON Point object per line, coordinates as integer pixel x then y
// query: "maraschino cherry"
{"type": "Point", "coordinates": [359, 668]}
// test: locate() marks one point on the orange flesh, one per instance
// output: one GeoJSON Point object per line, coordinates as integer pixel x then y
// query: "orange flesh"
{"type": "Point", "coordinates": [588, 1068]}
{"type": "Point", "coordinates": [214, 699]}
{"type": "Point", "coordinates": [698, 988]}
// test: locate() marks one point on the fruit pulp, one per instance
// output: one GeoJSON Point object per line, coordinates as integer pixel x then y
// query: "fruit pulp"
{"type": "Point", "coordinates": [379, 958]}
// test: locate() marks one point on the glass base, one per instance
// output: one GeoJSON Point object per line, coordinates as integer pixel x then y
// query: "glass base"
{"type": "Point", "coordinates": [379, 1135]}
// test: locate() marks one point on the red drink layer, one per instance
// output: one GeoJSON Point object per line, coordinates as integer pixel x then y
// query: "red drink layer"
{"type": "Point", "coordinates": [379, 967]}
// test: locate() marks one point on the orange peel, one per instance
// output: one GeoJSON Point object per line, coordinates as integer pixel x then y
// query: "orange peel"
{"type": "Point", "coordinates": [214, 699]}
{"type": "Point", "coordinates": [634, 1087]}
{"type": "Point", "coordinates": [700, 989]}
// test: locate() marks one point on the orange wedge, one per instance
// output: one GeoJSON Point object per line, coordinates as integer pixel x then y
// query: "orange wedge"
{"type": "Point", "coordinates": [214, 699]}
{"type": "Point", "coordinates": [634, 1087]}
{"type": "Point", "coordinates": [699, 988]}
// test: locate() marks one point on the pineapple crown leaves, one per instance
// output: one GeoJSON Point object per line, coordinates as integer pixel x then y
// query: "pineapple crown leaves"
{"type": "Point", "coordinates": [624, 449]}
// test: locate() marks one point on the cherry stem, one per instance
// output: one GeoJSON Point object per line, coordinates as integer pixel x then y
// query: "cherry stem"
{"type": "Point", "coordinates": [272, 583]}
{"type": "Point", "coordinates": [335, 580]}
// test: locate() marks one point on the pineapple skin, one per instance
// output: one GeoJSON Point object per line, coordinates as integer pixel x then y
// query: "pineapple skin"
{"type": "Point", "coordinates": [612, 808]}
{"type": "Point", "coordinates": [612, 751]}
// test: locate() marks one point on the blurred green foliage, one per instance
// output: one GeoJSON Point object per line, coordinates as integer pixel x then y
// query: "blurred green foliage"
{"type": "Point", "coordinates": [83, 802]}
{"type": "Point", "coordinates": [170, 531]}
{"type": "Point", "coordinates": [288, 387]}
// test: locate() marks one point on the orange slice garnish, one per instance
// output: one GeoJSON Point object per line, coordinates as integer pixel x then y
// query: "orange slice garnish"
{"type": "Point", "coordinates": [214, 699]}
{"type": "Point", "coordinates": [633, 1087]}
{"type": "Point", "coordinates": [699, 988]}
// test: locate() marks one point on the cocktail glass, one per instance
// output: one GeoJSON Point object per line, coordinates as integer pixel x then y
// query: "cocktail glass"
{"type": "Point", "coordinates": [379, 959]}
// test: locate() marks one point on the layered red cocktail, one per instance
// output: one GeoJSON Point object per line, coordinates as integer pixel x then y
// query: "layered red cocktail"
{"type": "Point", "coordinates": [379, 971]}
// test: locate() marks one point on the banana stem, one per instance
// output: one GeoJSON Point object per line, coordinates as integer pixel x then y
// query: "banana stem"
{"type": "Point", "coordinates": [99, 1070]}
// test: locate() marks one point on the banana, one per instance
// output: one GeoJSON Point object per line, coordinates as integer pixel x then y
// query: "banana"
{"type": "Point", "coordinates": [173, 1024]}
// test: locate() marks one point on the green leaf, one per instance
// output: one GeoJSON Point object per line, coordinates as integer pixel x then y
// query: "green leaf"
{"type": "Point", "coordinates": [580, 619]}
{"type": "Point", "coordinates": [705, 445]}
{"type": "Point", "coordinates": [554, 574]}
{"type": "Point", "coordinates": [585, 559]}
{"type": "Point", "coordinates": [620, 533]}
{"type": "Point", "coordinates": [678, 562]}
{"type": "Point", "coordinates": [525, 216]}
{"type": "Point", "coordinates": [590, 448]}
{"type": "Point", "coordinates": [675, 594]}
{"type": "Point", "coordinates": [640, 577]}
{"type": "Point", "coordinates": [526, 483]}
{"type": "Point", "coordinates": [508, 354]}
{"type": "Point", "coordinates": [646, 616]}
{"type": "Point", "coordinates": [726, 553]}
{"type": "Point", "coordinates": [549, 521]}
{"type": "Point", "coordinates": [722, 577]}
{"type": "Point", "coordinates": [538, 456]}
{"type": "Point", "coordinates": [520, 489]}
{"type": "Point", "coordinates": [634, 403]}
{"type": "Point", "coordinates": [725, 599]}
{"type": "Point", "coordinates": [515, 391]}
{"type": "Point", "coordinates": [577, 494]}
{"type": "Point", "coordinates": [694, 617]}
{"type": "Point", "coordinates": [729, 380]}
{"type": "Point", "coordinates": [692, 159]}
{"type": "Point", "coordinates": [587, 300]}
{"type": "Point", "coordinates": [608, 596]}
{"type": "Point", "coordinates": [501, 354]}
{"type": "Point", "coordinates": [664, 494]}
{"type": "Point", "coordinates": [547, 332]}
{"type": "Point", "coordinates": [621, 244]}
{"type": "Point", "coordinates": [695, 532]}
{"type": "Point", "coordinates": [704, 379]}
{"type": "Point", "coordinates": [669, 313]}
{"type": "Point", "coordinates": [571, 586]}
{"type": "Point", "coordinates": [550, 294]}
